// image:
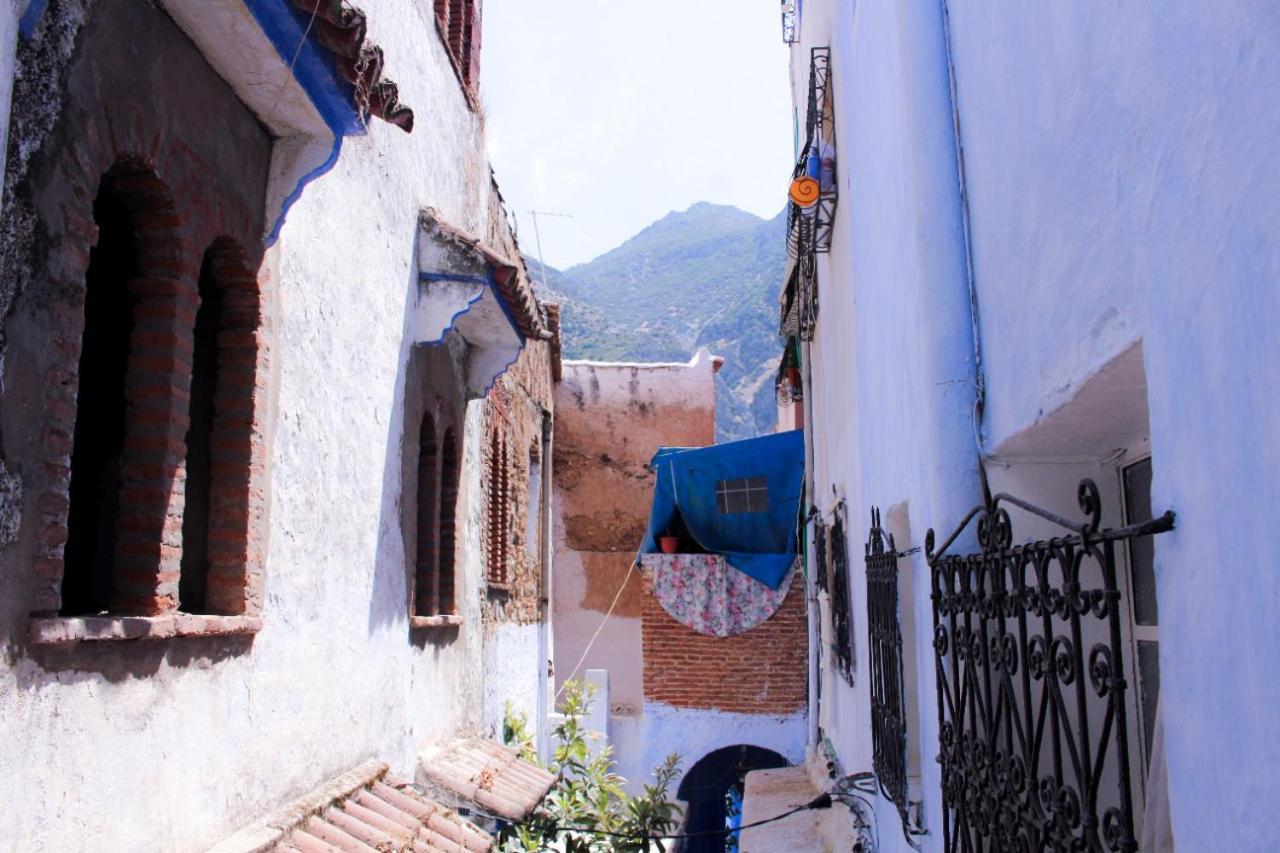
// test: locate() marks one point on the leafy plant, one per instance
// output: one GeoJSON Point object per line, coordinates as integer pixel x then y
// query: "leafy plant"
{"type": "Point", "coordinates": [587, 799]}
{"type": "Point", "coordinates": [515, 733]}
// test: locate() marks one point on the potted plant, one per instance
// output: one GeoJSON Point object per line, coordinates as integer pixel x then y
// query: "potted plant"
{"type": "Point", "coordinates": [668, 543]}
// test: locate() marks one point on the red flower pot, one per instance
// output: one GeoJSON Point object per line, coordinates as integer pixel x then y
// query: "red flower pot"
{"type": "Point", "coordinates": [669, 544]}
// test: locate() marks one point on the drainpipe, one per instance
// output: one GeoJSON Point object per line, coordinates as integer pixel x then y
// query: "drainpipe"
{"type": "Point", "coordinates": [811, 587]}
{"type": "Point", "coordinates": [545, 637]}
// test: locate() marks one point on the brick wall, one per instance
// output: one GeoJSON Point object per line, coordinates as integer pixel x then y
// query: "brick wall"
{"type": "Point", "coordinates": [762, 671]}
{"type": "Point", "coordinates": [513, 412]}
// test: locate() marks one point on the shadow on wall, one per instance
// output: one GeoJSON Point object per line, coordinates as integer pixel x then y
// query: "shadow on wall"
{"type": "Point", "coordinates": [709, 786]}
{"type": "Point", "coordinates": [389, 599]}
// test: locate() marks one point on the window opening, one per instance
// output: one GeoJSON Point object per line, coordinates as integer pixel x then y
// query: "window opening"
{"type": "Point", "coordinates": [448, 506]}
{"type": "Point", "coordinates": [427, 594]}
{"type": "Point", "coordinates": [193, 579]}
{"type": "Point", "coordinates": [1135, 483]}
{"type": "Point", "coordinates": [841, 617]}
{"type": "Point", "coordinates": [749, 494]}
{"type": "Point", "coordinates": [101, 412]}
{"type": "Point", "coordinates": [458, 22]}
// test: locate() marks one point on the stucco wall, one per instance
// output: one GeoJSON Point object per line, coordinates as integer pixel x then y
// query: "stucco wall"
{"type": "Point", "coordinates": [641, 743]}
{"type": "Point", "coordinates": [1122, 188]}
{"type": "Point", "coordinates": [610, 420]}
{"type": "Point", "coordinates": [172, 745]}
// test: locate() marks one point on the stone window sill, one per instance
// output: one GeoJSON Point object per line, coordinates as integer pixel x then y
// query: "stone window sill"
{"type": "Point", "coordinates": [443, 621]}
{"type": "Point", "coordinates": [77, 629]}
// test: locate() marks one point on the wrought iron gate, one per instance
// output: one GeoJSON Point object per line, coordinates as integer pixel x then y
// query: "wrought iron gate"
{"type": "Point", "coordinates": [888, 705]}
{"type": "Point", "coordinates": [1034, 730]}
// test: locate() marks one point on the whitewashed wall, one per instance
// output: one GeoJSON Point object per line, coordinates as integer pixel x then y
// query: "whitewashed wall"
{"type": "Point", "coordinates": [174, 745]}
{"type": "Point", "coordinates": [1123, 188]}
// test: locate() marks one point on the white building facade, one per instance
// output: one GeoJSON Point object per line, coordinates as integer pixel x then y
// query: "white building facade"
{"type": "Point", "coordinates": [1045, 254]}
{"type": "Point", "coordinates": [361, 589]}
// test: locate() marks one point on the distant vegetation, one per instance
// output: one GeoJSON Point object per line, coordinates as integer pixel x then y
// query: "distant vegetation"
{"type": "Point", "coordinates": [707, 276]}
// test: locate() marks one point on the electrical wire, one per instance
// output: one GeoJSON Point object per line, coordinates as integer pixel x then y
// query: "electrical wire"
{"type": "Point", "coordinates": [822, 801]}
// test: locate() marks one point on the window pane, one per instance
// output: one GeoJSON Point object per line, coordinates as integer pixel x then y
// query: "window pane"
{"type": "Point", "coordinates": [1137, 501]}
{"type": "Point", "coordinates": [749, 494]}
{"type": "Point", "coordinates": [1149, 687]}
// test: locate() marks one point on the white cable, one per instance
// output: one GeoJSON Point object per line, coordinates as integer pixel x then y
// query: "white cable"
{"type": "Point", "coordinates": [594, 636]}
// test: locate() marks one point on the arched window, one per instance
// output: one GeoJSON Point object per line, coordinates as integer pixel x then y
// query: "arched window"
{"type": "Point", "coordinates": [427, 595]}
{"type": "Point", "coordinates": [101, 411]}
{"type": "Point", "coordinates": [448, 506]}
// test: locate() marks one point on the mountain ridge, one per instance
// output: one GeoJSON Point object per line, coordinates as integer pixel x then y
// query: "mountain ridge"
{"type": "Point", "coordinates": [705, 276]}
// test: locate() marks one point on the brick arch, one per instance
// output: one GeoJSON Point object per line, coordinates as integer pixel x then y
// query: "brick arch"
{"type": "Point", "coordinates": [167, 237]}
{"type": "Point", "coordinates": [149, 491]}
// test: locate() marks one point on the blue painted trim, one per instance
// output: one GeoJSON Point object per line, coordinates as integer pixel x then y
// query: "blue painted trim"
{"type": "Point", "coordinates": [454, 319]}
{"type": "Point", "coordinates": [506, 310]}
{"type": "Point", "coordinates": [31, 18]}
{"type": "Point", "coordinates": [448, 276]}
{"type": "Point", "coordinates": [296, 194]}
{"type": "Point", "coordinates": [285, 26]}
{"type": "Point", "coordinates": [491, 282]}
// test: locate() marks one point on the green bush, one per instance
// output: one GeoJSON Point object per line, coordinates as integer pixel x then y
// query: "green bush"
{"type": "Point", "coordinates": [587, 794]}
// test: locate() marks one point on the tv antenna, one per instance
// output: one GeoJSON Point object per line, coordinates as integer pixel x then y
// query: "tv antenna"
{"type": "Point", "coordinates": [537, 238]}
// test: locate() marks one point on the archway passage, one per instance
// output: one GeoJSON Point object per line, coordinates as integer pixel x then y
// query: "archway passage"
{"type": "Point", "coordinates": [101, 411]}
{"type": "Point", "coordinates": [708, 788]}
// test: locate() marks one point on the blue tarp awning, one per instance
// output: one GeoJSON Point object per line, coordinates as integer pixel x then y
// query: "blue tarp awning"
{"type": "Point", "coordinates": [699, 493]}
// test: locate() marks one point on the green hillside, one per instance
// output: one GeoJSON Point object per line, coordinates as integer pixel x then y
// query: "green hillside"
{"type": "Point", "coordinates": [709, 276]}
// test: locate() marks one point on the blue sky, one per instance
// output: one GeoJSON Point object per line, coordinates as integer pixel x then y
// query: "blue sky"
{"type": "Point", "coordinates": [620, 111]}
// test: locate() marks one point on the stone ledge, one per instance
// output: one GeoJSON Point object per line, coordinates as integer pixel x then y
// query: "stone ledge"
{"type": "Point", "coordinates": [435, 621]}
{"type": "Point", "coordinates": [77, 629]}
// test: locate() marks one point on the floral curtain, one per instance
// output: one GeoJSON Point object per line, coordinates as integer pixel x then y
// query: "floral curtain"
{"type": "Point", "coordinates": [710, 596]}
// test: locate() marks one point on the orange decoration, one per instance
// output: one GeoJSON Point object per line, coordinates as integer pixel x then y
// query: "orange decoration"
{"type": "Point", "coordinates": [804, 191]}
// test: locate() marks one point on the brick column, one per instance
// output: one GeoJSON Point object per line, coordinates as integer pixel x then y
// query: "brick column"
{"type": "Point", "coordinates": [237, 454]}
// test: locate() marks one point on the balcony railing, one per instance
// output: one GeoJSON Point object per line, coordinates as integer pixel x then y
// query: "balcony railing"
{"type": "Point", "coordinates": [1036, 749]}
{"type": "Point", "coordinates": [790, 21]}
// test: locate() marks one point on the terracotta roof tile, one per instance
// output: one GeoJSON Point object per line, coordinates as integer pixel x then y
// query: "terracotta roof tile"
{"type": "Point", "coordinates": [362, 811]}
{"type": "Point", "coordinates": [387, 815]}
{"type": "Point", "coordinates": [341, 29]}
{"type": "Point", "coordinates": [491, 776]}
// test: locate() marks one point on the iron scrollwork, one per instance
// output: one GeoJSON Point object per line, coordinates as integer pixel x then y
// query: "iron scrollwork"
{"type": "Point", "coordinates": [841, 617]}
{"type": "Point", "coordinates": [1030, 663]}
{"type": "Point", "coordinates": [888, 701]}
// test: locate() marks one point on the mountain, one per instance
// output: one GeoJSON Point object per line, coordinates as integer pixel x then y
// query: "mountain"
{"type": "Point", "coordinates": [707, 276]}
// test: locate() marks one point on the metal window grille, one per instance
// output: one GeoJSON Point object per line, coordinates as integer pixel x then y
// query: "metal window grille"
{"type": "Point", "coordinates": [888, 700]}
{"type": "Point", "coordinates": [750, 494]}
{"type": "Point", "coordinates": [809, 229]}
{"type": "Point", "coordinates": [821, 578]}
{"type": "Point", "coordinates": [1032, 705]}
{"type": "Point", "coordinates": [790, 21]}
{"type": "Point", "coordinates": [841, 618]}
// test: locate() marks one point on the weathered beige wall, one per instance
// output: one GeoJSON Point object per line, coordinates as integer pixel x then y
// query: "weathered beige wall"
{"type": "Point", "coordinates": [610, 419]}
